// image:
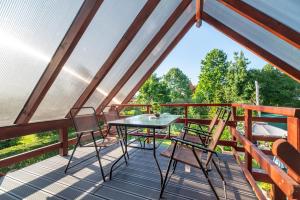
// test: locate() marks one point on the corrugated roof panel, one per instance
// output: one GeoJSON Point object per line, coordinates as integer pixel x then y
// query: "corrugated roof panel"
{"type": "Point", "coordinates": [106, 29]}
{"type": "Point", "coordinates": [30, 32]}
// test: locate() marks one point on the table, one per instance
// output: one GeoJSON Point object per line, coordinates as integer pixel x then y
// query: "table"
{"type": "Point", "coordinates": [142, 121]}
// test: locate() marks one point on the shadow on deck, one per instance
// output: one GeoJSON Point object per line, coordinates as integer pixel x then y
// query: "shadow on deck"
{"type": "Point", "coordinates": [138, 180]}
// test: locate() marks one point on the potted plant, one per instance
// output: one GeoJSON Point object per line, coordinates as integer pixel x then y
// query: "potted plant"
{"type": "Point", "coordinates": [155, 107]}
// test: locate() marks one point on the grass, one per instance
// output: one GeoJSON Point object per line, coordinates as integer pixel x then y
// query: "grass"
{"type": "Point", "coordinates": [27, 143]}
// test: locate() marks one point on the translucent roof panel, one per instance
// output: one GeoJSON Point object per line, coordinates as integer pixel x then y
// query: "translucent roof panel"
{"type": "Point", "coordinates": [30, 32]}
{"type": "Point", "coordinates": [152, 25]}
{"type": "Point", "coordinates": [102, 35]}
{"type": "Point", "coordinates": [155, 54]}
{"type": "Point", "coordinates": [254, 33]}
{"type": "Point", "coordinates": [277, 9]}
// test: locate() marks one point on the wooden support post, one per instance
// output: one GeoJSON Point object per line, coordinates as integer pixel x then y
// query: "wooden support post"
{"type": "Point", "coordinates": [232, 128]}
{"type": "Point", "coordinates": [276, 193]}
{"type": "Point", "coordinates": [248, 135]}
{"type": "Point", "coordinates": [63, 139]}
{"type": "Point", "coordinates": [293, 124]}
{"type": "Point", "coordinates": [186, 115]}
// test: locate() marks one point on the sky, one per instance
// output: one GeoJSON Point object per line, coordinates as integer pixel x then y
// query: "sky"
{"type": "Point", "coordinates": [189, 52]}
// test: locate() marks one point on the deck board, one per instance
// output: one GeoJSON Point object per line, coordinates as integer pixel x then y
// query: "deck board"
{"type": "Point", "coordinates": [138, 180]}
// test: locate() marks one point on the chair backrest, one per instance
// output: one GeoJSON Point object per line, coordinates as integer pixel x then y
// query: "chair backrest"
{"type": "Point", "coordinates": [84, 119]}
{"type": "Point", "coordinates": [214, 119]}
{"type": "Point", "coordinates": [218, 132]}
{"type": "Point", "coordinates": [111, 115]}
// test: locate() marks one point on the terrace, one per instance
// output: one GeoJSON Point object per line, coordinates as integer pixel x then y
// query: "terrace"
{"type": "Point", "coordinates": [60, 71]}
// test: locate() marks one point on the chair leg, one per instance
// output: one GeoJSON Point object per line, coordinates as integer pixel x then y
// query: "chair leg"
{"type": "Point", "coordinates": [222, 177]}
{"type": "Point", "coordinates": [123, 151]}
{"type": "Point", "coordinates": [77, 143]}
{"type": "Point", "coordinates": [121, 135]}
{"type": "Point", "coordinates": [168, 170]}
{"type": "Point", "coordinates": [166, 178]}
{"type": "Point", "coordinates": [205, 174]}
{"type": "Point", "coordinates": [174, 166]}
{"type": "Point", "coordinates": [98, 156]}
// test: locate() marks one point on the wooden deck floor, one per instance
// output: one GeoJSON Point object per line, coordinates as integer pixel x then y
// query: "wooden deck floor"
{"type": "Point", "coordinates": [138, 180]}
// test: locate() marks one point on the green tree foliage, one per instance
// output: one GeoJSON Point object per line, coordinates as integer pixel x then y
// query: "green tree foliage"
{"type": "Point", "coordinates": [276, 88]}
{"type": "Point", "coordinates": [212, 78]}
{"type": "Point", "coordinates": [154, 90]}
{"type": "Point", "coordinates": [239, 85]}
{"type": "Point", "coordinates": [178, 84]}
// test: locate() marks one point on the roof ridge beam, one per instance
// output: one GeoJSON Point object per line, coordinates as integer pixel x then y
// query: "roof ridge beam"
{"type": "Point", "coordinates": [272, 25]}
{"type": "Point", "coordinates": [129, 35]}
{"type": "Point", "coordinates": [171, 46]}
{"type": "Point", "coordinates": [80, 23]}
{"type": "Point", "coordinates": [151, 45]}
{"type": "Point", "coordinates": [264, 54]}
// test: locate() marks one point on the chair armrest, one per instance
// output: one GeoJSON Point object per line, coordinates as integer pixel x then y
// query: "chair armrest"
{"type": "Point", "coordinates": [199, 132]}
{"type": "Point", "coordinates": [193, 145]}
{"type": "Point", "coordinates": [81, 132]}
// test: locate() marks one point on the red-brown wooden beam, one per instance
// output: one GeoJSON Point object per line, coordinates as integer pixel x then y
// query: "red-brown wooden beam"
{"type": "Point", "coordinates": [30, 154]}
{"type": "Point", "coordinates": [85, 15]}
{"type": "Point", "coordinates": [185, 29]}
{"type": "Point", "coordinates": [117, 52]}
{"type": "Point", "coordinates": [277, 62]}
{"type": "Point", "coordinates": [146, 52]}
{"type": "Point", "coordinates": [265, 21]}
{"type": "Point", "coordinates": [288, 185]}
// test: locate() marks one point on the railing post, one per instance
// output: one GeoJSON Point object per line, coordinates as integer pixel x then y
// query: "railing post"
{"type": "Point", "coordinates": [293, 125]}
{"type": "Point", "coordinates": [276, 193]}
{"type": "Point", "coordinates": [63, 138]}
{"type": "Point", "coordinates": [293, 138]}
{"type": "Point", "coordinates": [148, 130]}
{"type": "Point", "coordinates": [186, 115]}
{"type": "Point", "coordinates": [233, 118]}
{"type": "Point", "coordinates": [248, 135]}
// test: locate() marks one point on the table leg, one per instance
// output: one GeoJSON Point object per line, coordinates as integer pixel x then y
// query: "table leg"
{"type": "Point", "coordinates": [154, 155]}
{"type": "Point", "coordinates": [119, 131]}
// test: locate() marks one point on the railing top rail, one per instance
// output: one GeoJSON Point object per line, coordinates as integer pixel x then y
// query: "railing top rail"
{"type": "Point", "coordinates": [286, 111]}
{"type": "Point", "coordinates": [175, 104]}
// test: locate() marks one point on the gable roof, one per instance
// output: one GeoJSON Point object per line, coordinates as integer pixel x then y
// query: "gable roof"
{"type": "Point", "coordinates": [62, 54]}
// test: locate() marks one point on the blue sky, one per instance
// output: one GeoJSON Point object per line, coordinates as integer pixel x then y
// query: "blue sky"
{"type": "Point", "coordinates": [187, 55]}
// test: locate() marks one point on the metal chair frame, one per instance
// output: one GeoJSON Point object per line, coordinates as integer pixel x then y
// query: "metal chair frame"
{"type": "Point", "coordinates": [204, 148]}
{"type": "Point", "coordinates": [92, 130]}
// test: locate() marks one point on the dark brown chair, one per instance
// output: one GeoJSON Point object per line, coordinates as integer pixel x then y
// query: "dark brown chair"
{"type": "Point", "coordinates": [86, 123]}
{"type": "Point", "coordinates": [198, 135]}
{"type": "Point", "coordinates": [192, 154]}
{"type": "Point", "coordinates": [112, 115]}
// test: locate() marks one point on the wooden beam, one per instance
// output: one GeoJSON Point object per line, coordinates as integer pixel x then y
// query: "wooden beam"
{"type": "Point", "coordinates": [30, 154]}
{"type": "Point", "coordinates": [277, 62]}
{"type": "Point", "coordinates": [289, 156]}
{"type": "Point", "coordinates": [182, 33]}
{"type": "Point", "coordinates": [63, 139]}
{"type": "Point", "coordinates": [118, 51]}
{"type": "Point", "coordinates": [288, 185]}
{"type": "Point", "coordinates": [265, 21]}
{"type": "Point", "coordinates": [8, 132]}
{"type": "Point", "coordinates": [199, 11]}
{"type": "Point", "coordinates": [294, 132]}
{"type": "Point", "coordinates": [248, 135]}
{"type": "Point", "coordinates": [249, 176]}
{"type": "Point", "coordinates": [146, 52]}
{"type": "Point", "coordinates": [63, 52]}
{"type": "Point", "coordinates": [286, 111]}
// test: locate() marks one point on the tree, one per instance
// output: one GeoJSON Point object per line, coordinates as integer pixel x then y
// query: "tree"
{"type": "Point", "coordinates": [277, 89]}
{"type": "Point", "coordinates": [239, 86]}
{"type": "Point", "coordinates": [178, 84]}
{"type": "Point", "coordinates": [212, 78]}
{"type": "Point", "coordinates": [154, 90]}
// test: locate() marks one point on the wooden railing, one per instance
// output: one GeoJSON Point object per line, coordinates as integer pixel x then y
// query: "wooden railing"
{"type": "Point", "coordinates": [284, 184]}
